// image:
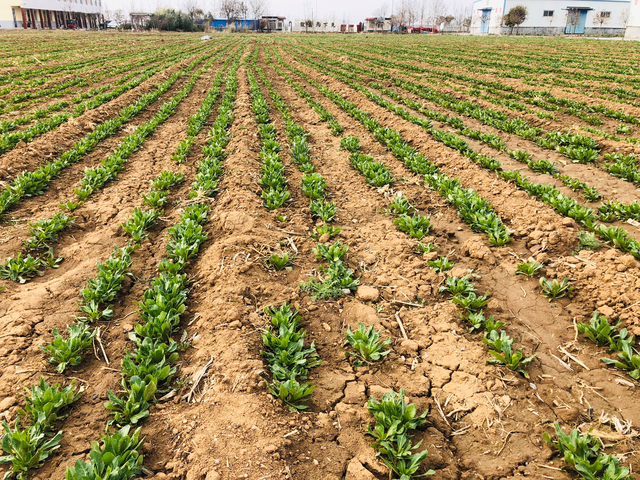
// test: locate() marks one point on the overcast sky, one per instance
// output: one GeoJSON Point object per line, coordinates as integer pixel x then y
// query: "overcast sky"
{"type": "Point", "coordinates": [351, 11]}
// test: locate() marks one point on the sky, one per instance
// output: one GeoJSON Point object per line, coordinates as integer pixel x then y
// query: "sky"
{"type": "Point", "coordinates": [348, 11]}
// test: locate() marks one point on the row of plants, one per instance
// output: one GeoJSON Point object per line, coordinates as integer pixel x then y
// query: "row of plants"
{"type": "Point", "coordinates": [100, 291]}
{"type": "Point", "coordinates": [148, 369]}
{"type": "Point", "coordinates": [275, 192]}
{"type": "Point", "coordinates": [29, 184]}
{"type": "Point", "coordinates": [472, 208]}
{"type": "Point", "coordinates": [577, 147]}
{"type": "Point", "coordinates": [288, 357]}
{"type": "Point", "coordinates": [542, 98]}
{"type": "Point", "coordinates": [549, 194]}
{"type": "Point", "coordinates": [95, 178]}
{"type": "Point", "coordinates": [336, 279]}
{"type": "Point", "coordinates": [197, 121]}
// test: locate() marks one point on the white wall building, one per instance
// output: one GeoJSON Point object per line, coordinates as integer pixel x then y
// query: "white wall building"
{"type": "Point", "coordinates": [318, 25]}
{"type": "Point", "coordinates": [49, 14]}
{"type": "Point", "coordinates": [554, 17]}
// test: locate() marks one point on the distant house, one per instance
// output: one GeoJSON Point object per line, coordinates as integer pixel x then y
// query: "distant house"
{"type": "Point", "coordinates": [240, 24]}
{"type": "Point", "coordinates": [318, 25]}
{"type": "Point", "coordinates": [553, 17]}
{"type": "Point", "coordinates": [273, 24]}
{"type": "Point", "coordinates": [377, 24]}
{"type": "Point", "coordinates": [50, 14]}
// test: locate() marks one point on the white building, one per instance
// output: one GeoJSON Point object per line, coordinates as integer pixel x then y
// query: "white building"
{"type": "Point", "coordinates": [317, 25]}
{"type": "Point", "coordinates": [554, 17]}
{"type": "Point", "coordinates": [49, 14]}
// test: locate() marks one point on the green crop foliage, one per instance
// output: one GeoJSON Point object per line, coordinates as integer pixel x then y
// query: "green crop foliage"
{"type": "Point", "coordinates": [26, 449]}
{"type": "Point", "coordinates": [351, 144]}
{"type": "Point", "coordinates": [426, 247]}
{"type": "Point", "coordinates": [134, 406]}
{"type": "Point", "coordinates": [313, 186]}
{"type": "Point", "coordinates": [441, 264]}
{"type": "Point", "coordinates": [394, 420]}
{"type": "Point", "coordinates": [139, 222]}
{"type": "Point", "coordinates": [331, 253]}
{"type": "Point", "coordinates": [415, 226]}
{"type": "Point", "coordinates": [119, 457]}
{"type": "Point", "coordinates": [325, 229]}
{"type": "Point", "coordinates": [555, 289]}
{"type": "Point", "coordinates": [281, 262]}
{"type": "Point", "coordinates": [478, 321]}
{"type": "Point", "coordinates": [291, 393]}
{"type": "Point", "coordinates": [529, 268]}
{"type": "Point", "coordinates": [46, 230]}
{"type": "Point", "coordinates": [501, 349]}
{"type": "Point", "coordinates": [582, 453]}
{"type": "Point", "coordinates": [470, 302]}
{"type": "Point", "coordinates": [156, 198]}
{"type": "Point", "coordinates": [166, 180]}
{"type": "Point", "coordinates": [458, 286]}
{"type": "Point", "coordinates": [48, 400]}
{"type": "Point", "coordinates": [65, 352]}
{"type": "Point", "coordinates": [628, 360]}
{"type": "Point", "coordinates": [367, 344]}
{"type": "Point", "coordinates": [325, 211]}
{"type": "Point", "coordinates": [337, 277]}
{"type": "Point", "coordinates": [544, 166]}
{"type": "Point", "coordinates": [588, 241]}
{"type": "Point", "coordinates": [520, 155]}
{"type": "Point", "coordinates": [400, 206]}
{"type": "Point", "coordinates": [20, 269]}
{"type": "Point", "coordinates": [599, 330]}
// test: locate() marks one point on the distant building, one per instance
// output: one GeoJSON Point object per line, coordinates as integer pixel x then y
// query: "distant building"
{"type": "Point", "coordinates": [319, 25]}
{"type": "Point", "coordinates": [553, 17]}
{"type": "Point", "coordinates": [50, 14]}
{"type": "Point", "coordinates": [375, 24]}
{"type": "Point", "coordinates": [240, 24]}
{"type": "Point", "coordinates": [273, 24]}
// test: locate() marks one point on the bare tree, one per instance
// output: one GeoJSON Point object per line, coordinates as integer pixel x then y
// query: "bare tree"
{"type": "Point", "coordinates": [192, 8]}
{"type": "Point", "coordinates": [230, 9]}
{"type": "Point", "coordinates": [258, 8]}
{"type": "Point", "coordinates": [600, 19]}
{"type": "Point", "coordinates": [573, 18]}
{"type": "Point", "coordinates": [624, 16]}
{"type": "Point", "coordinates": [436, 8]}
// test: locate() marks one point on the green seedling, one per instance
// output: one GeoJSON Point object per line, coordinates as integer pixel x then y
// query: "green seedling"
{"type": "Point", "coordinates": [46, 230]}
{"type": "Point", "coordinates": [582, 453]}
{"type": "Point", "coordinates": [555, 289]}
{"type": "Point", "coordinates": [139, 222]}
{"type": "Point", "coordinates": [426, 247]}
{"type": "Point", "coordinates": [441, 264]}
{"type": "Point", "coordinates": [367, 344]}
{"type": "Point", "coordinates": [282, 218]}
{"type": "Point", "coordinates": [281, 263]}
{"type": "Point", "coordinates": [27, 449]}
{"type": "Point", "coordinates": [478, 321]}
{"type": "Point", "coordinates": [520, 156]}
{"type": "Point", "coordinates": [20, 269]}
{"type": "Point", "coordinates": [393, 417]}
{"type": "Point", "coordinates": [325, 229]}
{"type": "Point", "coordinates": [48, 399]}
{"type": "Point", "coordinates": [544, 166]}
{"type": "Point", "coordinates": [275, 197]}
{"type": "Point", "coordinates": [629, 361]}
{"type": "Point", "coordinates": [588, 241]}
{"type": "Point", "coordinates": [529, 268]}
{"type": "Point", "coordinates": [331, 253]}
{"type": "Point", "coordinates": [67, 351]}
{"type": "Point", "coordinates": [400, 206]}
{"type": "Point", "coordinates": [351, 144]}
{"type": "Point", "coordinates": [156, 198]}
{"type": "Point", "coordinates": [400, 458]}
{"type": "Point", "coordinates": [118, 458]}
{"type": "Point", "coordinates": [599, 330]}
{"type": "Point", "coordinates": [313, 186]}
{"type": "Point", "coordinates": [134, 405]}
{"type": "Point", "coordinates": [470, 302]}
{"type": "Point", "coordinates": [501, 349]}
{"type": "Point", "coordinates": [70, 206]}
{"type": "Point", "coordinates": [416, 226]}
{"type": "Point", "coordinates": [624, 129]}
{"type": "Point", "coordinates": [166, 180]}
{"type": "Point", "coordinates": [457, 286]}
{"type": "Point", "coordinates": [325, 211]}
{"type": "Point", "coordinates": [291, 393]}
{"type": "Point", "coordinates": [337, 279]}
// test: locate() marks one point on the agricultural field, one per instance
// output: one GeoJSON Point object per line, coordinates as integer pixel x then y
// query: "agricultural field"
{"type": "Point", "coordinates": [318, 257]}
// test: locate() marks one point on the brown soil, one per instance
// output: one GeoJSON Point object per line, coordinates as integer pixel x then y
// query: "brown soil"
{"type": "Point", "coordinates": [484, 421]}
